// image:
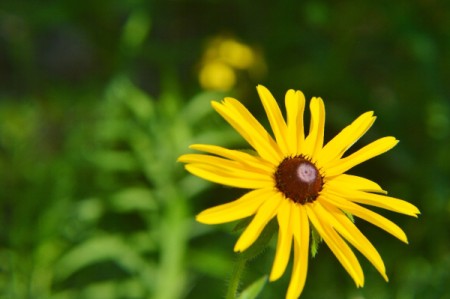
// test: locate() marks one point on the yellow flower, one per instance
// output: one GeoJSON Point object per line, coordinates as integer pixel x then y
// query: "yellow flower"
{"type": "Point", "coordinates": [224, 59]}
{"type": "Point", "coordinates": [217, 76]}
{"type": "Point", "coordinates": [301, 182]}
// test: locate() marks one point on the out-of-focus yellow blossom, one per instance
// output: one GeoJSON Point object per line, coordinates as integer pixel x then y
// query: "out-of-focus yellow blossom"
{"type": "Point", "coordinates": [236, 54]}
{"type": "Point", "coordinates": [217, 76]}
{"type": "Point", "coordinates": [223, 58]}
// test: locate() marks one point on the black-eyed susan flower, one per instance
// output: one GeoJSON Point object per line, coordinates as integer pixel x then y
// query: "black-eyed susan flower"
{"type": "Point", "coordinates": [301, 182]}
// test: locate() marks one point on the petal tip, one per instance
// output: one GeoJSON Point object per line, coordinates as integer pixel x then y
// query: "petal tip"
{"type": "Point", "coordinates": [237, 247]}
{"type": "Point", "coordinates": [203, 218]}
{"type": "Point", "coordinates": [182, 159]}
{"type": "Point", "coordinates": [216, 105]}
{"type": "Point", "coordinates": [199, 218]}
{"type": "Point", "coordinates": [274, 276]}
{"type": "Point", "coordinates": [384, 275]}
{"type": "Point", "coordinates": [260, 86]}
{"type": "Point", "coordinates": [263, 91]}
{"type": "Point", "coordinates": [194, 146]}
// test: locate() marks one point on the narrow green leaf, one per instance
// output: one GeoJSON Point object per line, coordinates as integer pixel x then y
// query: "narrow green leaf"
{"type": "Point", "coordinates": [253, 290]}
{"type": "Point", "coordinates": [242, 224]}
{"type": "Point", "coordinates": [114, 160]}
{"type": "Point", "coordinates": [134, 198]}
{"type": "Point", "coordinates": [350, 216]}
{"type": "Point", "coordinates": [316, 239]}
{"type": "Point", "coordinates": [199, 107]}
{"type": "Point", "coordinates": [99, 249]}
{"type": "Point", "coordinates": [263, 240]}
{"type": "Point", "coordinates": [136, 30]}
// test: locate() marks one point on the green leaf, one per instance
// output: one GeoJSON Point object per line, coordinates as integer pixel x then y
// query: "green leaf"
{"type": "Point", "coordinates": [122, 93]}
{"type": "Point", "coordinates": [316, 239]}
{"type": "Point", "coordinates": [89, 209]}
{"type": "Point", "coordinates": [136, 30]}
{"type": "Point", "coordinates": [140, 104]}
{"type": "Point", "coordinates": [202, 259]}
{"type": "Point", "coordinates": [134, 198]}
{"type": "Point", "coordinates": [242, 224]}
{"type": "Point", "coordinates": [253, 290]}
{"type": "Point", "coordinates": [263, 240]}
{"type": "Point", "coordinates": [114, 160]}
{"type": "Point", "coordinates": [350, 216]}
{"type": "Point", "coordinates": [98, 249]}
{"type": "Point", "coordinates": [199, 107]}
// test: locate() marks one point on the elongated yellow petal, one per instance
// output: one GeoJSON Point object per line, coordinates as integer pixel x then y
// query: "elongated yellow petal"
{"type": "Point", "coordinates": [249, 160]}
{"type": "Point", "coordinates": [314, 140]}
{"type": "Point", "coordinates": [275, 117]}
{"type": "Point", "coordinates": [371, 150]}
{"type": "Point", "coordinates": [339, 248]}
{"type": "Point", "coordinates": [249, 128]}
{"type": "Point", "coordinates": [353, 182]}
{"type": "Point", "coordinates": [301, 250]}
{"type": "Point", "coordinates": [367, 215]}
{"type": "Point", "coordinates": [232, 168]}
{"type": "Point", "coordinates": [337, 146]}
{"type": "Point", "coordinates": [238, 180]}
{"type": "Point", "coordinates": [284, 240]}
{"type": "Point", "coordinates": [264, 214]}
{"type": "Point", "coordinates": [295, 106]}
{"type": "Point", "coordinates": [351, 233]}
{"type": "Point", "coordinates": [221, 163]}
{"type": "Point", "coordinates": [243, 207]}
{"type": "Point", "coordinates": [377, 200]}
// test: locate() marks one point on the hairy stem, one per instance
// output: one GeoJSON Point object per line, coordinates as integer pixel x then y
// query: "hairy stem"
{"type": "Point", "coordinates": [235, 278]}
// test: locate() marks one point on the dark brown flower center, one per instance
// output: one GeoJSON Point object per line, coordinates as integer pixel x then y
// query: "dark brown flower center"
{"type": "Point", "coordinates": [298, 179]}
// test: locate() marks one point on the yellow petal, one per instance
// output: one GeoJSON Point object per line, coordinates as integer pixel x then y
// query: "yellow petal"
{"type": "Point", "coordinates": [284, 240]}
{"type": "Point", "coordinates": [221, 163]}
{"type": "Point", "coordinates": [366, 214]}
{"type": "Point", "coordinates": [337, 146]}
{"type": "Point", "coordinates": [301, 251]}
{"type": "Point", "coordinates": [371, 150]}
{"type": "Point", "coordinates": [314, 140]}
{"type": "Point", "coordinates": [249, 128]}
{"type": "Point", "coordinates": [275, 117]}
{"type": "Point", "coordinates": [295, 106]}
{"type": "Point", "coordinates": [249, 160]}
{"type": "Point", "coordinates": [232, 168]}
{"type": "Point", "coordinates": [347, 229]}
{"type": "Point", "coordinates": [376, 200]}
{"type": "Point", "coordinates": [238, 180]}
{"type": "Point", "coordinates": [354, 182]}
{"type": "Point", "coordinates": [264, 214]}
{"type": "Point", "coordinates": [243, 207]}
{"type": "Point", "coordinates": [339, 248]}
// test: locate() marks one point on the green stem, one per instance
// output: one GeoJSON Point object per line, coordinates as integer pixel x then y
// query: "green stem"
{"type": "Point", "coordinates": [236, 277]}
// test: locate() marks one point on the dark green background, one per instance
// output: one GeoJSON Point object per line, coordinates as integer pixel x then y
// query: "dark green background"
{"type": "Point", "coordinates": [98, 99]}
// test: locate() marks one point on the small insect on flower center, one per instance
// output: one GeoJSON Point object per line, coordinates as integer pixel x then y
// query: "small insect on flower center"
{"type": "Point", "coordinates": [298, 179]}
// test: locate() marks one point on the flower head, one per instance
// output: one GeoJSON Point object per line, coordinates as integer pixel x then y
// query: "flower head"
{"type": "Point", "coordinates": [301, 182]}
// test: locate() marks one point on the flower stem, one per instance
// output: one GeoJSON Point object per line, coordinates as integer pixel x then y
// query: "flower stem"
{"type": "Point", "coordinates": [236, 277]}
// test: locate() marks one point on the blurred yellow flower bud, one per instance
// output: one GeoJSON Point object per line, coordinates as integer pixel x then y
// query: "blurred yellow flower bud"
{"type": "Point", "coordinates": [236, 54]}
{"type": "Point", "coordinates": [217, 76]}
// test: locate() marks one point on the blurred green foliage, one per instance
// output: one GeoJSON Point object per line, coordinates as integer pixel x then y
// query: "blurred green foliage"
{"type": "Point", "coordinates": [98, 99]}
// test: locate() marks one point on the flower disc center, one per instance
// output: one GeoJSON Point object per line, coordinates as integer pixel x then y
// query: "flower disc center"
{"type": "Point", "coordinates": [298, 179]}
